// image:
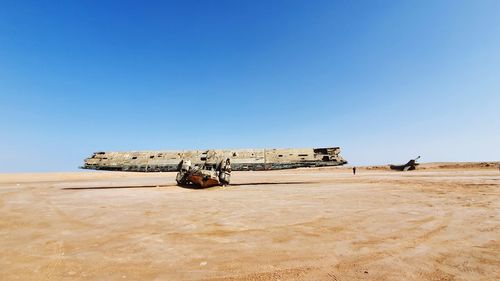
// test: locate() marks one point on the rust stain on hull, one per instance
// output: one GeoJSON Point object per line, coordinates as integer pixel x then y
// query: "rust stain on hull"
{"type": "Point", "coordinates": [203, 182]}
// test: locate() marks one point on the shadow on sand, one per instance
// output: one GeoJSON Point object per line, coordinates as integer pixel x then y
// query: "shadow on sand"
{"type": "Point", "coordinates": [184, 186]}
{"type": "Point", "coordinates": [113, 187]}
{"type": "Point", "coordinates": [272, 183]}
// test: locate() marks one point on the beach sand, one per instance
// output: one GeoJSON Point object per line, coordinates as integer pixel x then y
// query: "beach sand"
{"type": "Point", "coordinates": [441, 222]}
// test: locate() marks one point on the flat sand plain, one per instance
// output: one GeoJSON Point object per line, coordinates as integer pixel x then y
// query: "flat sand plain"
{"type": "Point", "coordinates": [304, 224]}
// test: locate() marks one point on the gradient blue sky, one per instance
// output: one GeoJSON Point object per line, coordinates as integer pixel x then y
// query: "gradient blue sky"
{"type": "Point", "coordinates": [385, 80]}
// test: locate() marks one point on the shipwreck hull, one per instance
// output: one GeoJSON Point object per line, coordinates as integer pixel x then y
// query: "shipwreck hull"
{"type": "Point", "coordinates": [241, 159]}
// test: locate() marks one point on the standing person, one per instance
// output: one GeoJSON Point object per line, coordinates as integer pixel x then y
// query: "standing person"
{"type": "Point", "coordinates": [353, 170]}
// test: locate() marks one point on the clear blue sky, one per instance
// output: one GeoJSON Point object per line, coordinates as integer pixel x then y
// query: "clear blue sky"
{"type": "Point", "coordinates": [385, 80]}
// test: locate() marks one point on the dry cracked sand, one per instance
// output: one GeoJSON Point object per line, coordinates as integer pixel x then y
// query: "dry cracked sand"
{"type": "Point", "coordinates": [305, 224]}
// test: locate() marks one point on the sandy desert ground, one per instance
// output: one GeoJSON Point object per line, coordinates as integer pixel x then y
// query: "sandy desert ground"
{"type": "Point", "coordinates": [437, 223]}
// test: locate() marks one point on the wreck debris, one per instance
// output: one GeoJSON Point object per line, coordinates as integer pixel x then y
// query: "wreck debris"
{"type": "Point", "coordinates": [204, 176]}
{"type": "Point", "coordinates": [411, 165]}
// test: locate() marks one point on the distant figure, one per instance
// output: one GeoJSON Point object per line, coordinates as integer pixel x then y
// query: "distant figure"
{"type": "Point", "coordinates": [353, 170]}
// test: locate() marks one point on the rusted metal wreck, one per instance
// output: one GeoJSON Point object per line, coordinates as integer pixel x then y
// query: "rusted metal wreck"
{"type": "Point", "coordinates": [241, 159]}
{"type": "Point", "coordinates": [207, 175]}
